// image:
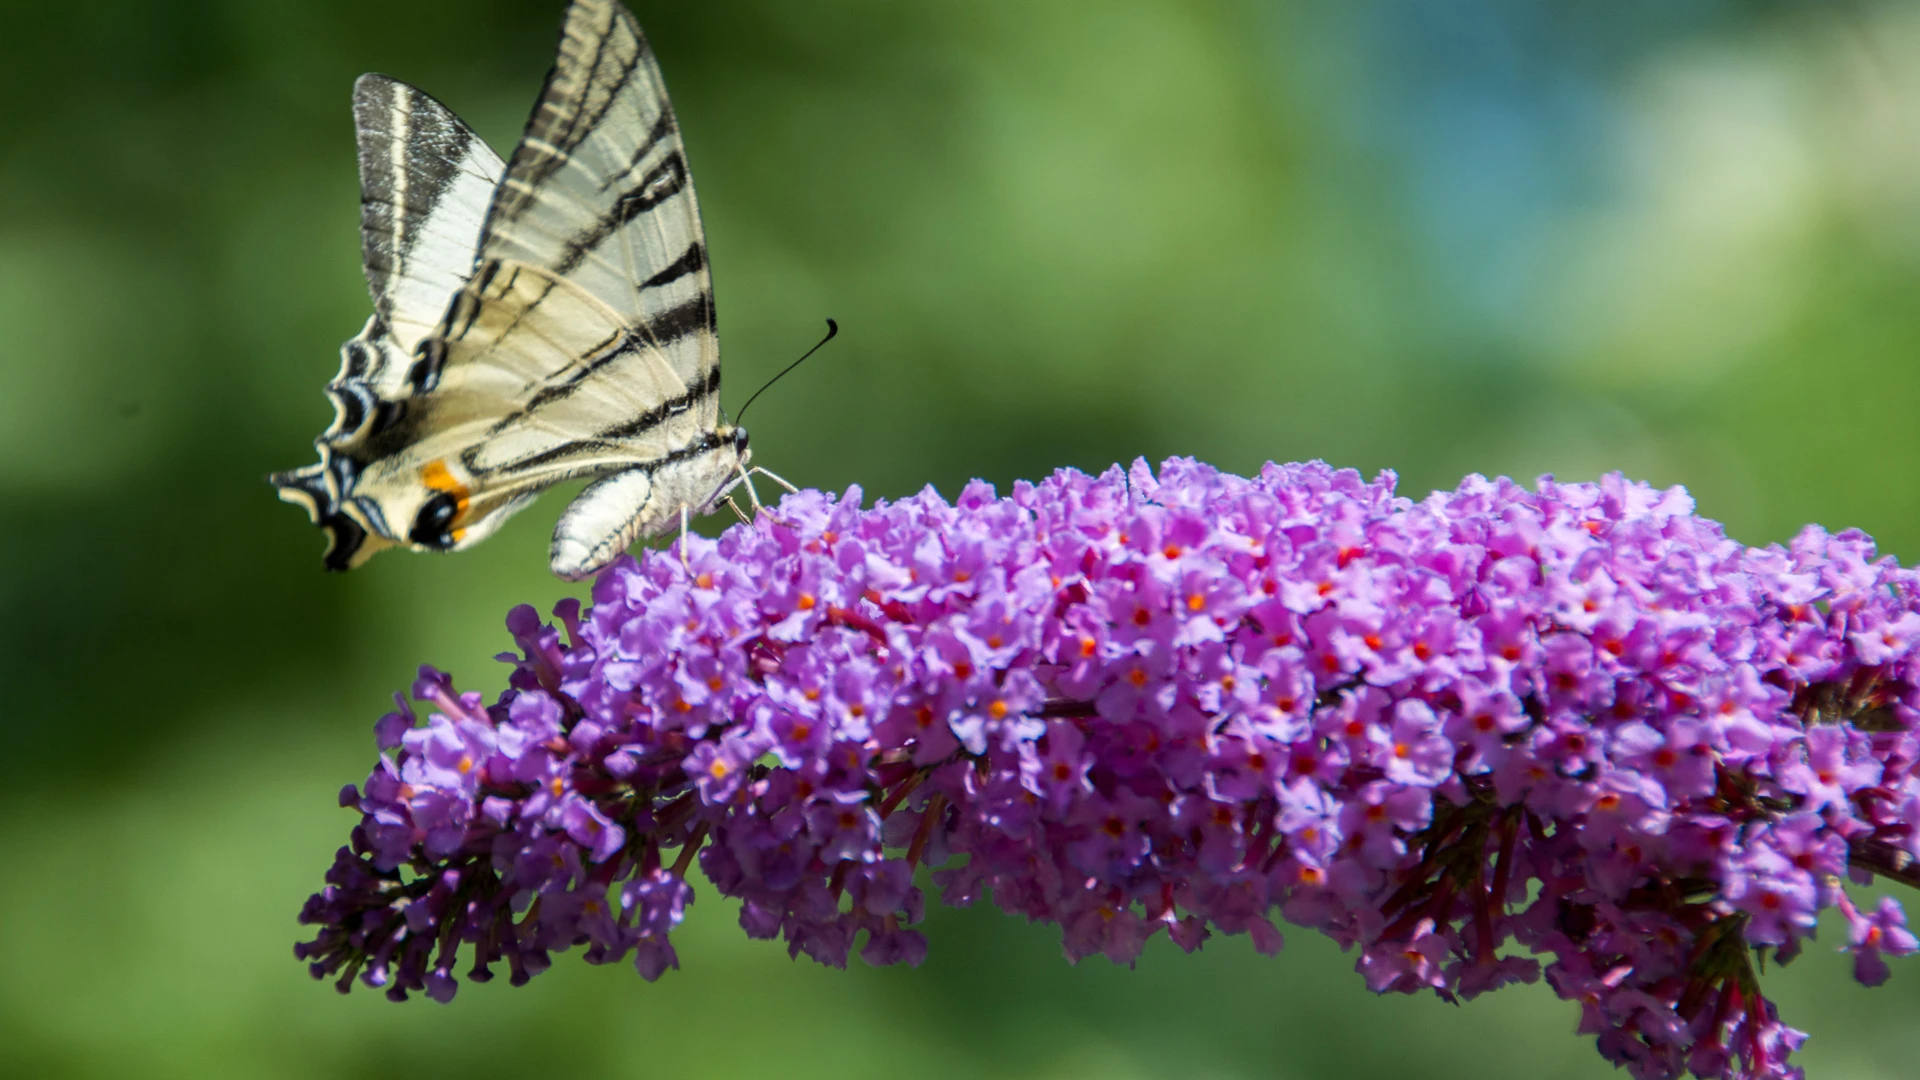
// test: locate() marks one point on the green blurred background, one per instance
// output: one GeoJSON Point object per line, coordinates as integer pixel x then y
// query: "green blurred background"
{"type": "Point", "coordinates": [1675, 237]}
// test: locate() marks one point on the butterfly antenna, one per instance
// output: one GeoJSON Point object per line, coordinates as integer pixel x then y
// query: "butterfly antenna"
{"type": "Point", "coordinates": [832, 329]}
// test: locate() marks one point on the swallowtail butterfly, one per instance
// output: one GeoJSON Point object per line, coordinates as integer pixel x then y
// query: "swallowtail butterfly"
{"type": "Point", "coordinates": [535, 321]}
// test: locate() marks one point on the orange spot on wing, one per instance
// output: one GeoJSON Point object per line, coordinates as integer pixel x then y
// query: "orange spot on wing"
{"type": "Point", "coordinates": [436, 476]}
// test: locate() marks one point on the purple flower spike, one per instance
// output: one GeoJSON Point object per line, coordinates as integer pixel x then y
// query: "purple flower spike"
{"type": "Point", "coordinates": [1493, 735]}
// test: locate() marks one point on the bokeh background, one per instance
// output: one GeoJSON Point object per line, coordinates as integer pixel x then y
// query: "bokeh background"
{"type": "Point", "coordinates": [1675, 237]}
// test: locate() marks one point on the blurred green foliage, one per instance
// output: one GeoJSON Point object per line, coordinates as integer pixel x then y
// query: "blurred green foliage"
{"type": "Point", "coordinates": [1675, 237]}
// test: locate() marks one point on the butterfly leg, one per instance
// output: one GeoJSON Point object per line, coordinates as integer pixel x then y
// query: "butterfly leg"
{"type": "Point", "coordinates": [753, 497]}
{"type": "Point", "coordinates": [683, 540]}
{"type": "Point", "coordinates": [776, 478]}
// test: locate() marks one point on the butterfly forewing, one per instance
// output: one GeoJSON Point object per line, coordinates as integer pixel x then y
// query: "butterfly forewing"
{"type": "Point", "coordinates": [426, 181]}
{"type": "Point", "coordinates": [598, 190]}
{"type": "Point", "coordinates": [568, 387]}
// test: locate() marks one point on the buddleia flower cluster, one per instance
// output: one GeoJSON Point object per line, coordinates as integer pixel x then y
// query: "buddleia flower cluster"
{"type": "Point", "coordinates": [1573, 726]}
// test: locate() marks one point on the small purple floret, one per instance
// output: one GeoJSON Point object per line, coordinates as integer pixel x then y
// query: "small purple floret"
{"type": "Point", "coordinates": [1576, 721]}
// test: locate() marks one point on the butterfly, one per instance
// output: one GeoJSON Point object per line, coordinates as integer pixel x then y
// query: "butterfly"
{"type": "Point", "coordinates": [536, 320]}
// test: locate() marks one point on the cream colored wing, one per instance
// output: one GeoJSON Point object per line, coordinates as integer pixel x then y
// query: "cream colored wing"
{"type": "Point", "coordinates": [599, 192]}
{"type": "Point", "coordinates": [582, 344]}
{"type": "Point", "coordinates": [426, 181]}
{"type": "Point", "coordinates": [537, 382]}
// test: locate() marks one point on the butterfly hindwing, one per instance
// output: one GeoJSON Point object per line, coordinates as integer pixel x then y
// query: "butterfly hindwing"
{"type": "Point", "coordinates": [571, 331]}
{"type": "Point", "coordinates": [426, 181]}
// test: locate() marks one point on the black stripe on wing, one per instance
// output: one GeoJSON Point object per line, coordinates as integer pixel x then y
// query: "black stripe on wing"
{"type": "Point", "coordinates": [666, 410]}
{"type": "Point", "coordinates": [610, 438]}
{"type": "Point", "coordinates": [662, 128]}
{"type": "Point", "coordinates": [430, 357]}
{"type": "Point", "coordinates": [669, 326]}
{"type": "Point", "coordinates": [690, 261]}
{"type": "Point", "coordinates": [662, 182]}
{"type": "Point", "coordinates": [400, 192]}
{"type": "Point", "coordinates": [561, 118]}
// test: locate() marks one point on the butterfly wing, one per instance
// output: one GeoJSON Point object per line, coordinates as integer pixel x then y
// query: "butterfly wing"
{"type": "Point", "coordinates": [599, 193]}
{"type": "Point", "coordinates": [583, 343]}
{"type": "Point", "coordinates": [426, 181]}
